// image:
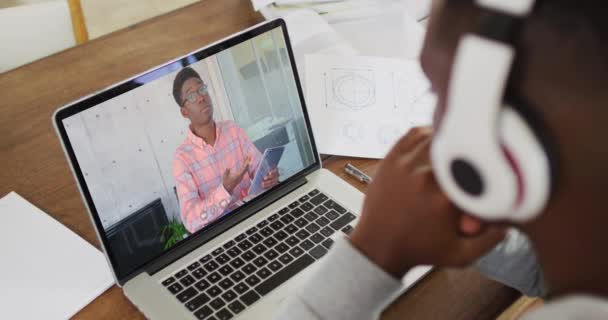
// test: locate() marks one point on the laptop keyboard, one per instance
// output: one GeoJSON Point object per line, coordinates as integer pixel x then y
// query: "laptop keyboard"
{"type": "Point", "coordinates": [234, 276]}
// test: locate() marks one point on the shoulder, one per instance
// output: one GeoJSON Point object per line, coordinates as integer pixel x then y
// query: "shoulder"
{"type": "Point", "coordinates": [230, 127]}
{"type": "Point", "coordinates": [182, 151]}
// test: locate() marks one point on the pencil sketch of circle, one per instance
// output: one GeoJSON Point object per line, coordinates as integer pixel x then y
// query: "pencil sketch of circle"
{"type": "Point", "coordinates": [388, 134]}
{"type": "Point", "coordinates": [354, 91]}
{"type": "Point", "coordinates": [353, 132]}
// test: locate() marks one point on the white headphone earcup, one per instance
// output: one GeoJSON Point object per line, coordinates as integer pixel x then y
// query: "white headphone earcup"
{"type": "Point", "coordinates": [530, 163]}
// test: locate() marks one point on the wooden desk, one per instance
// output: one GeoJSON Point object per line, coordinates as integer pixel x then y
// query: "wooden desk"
{"type": "Point", "coordinates": [33, 163]}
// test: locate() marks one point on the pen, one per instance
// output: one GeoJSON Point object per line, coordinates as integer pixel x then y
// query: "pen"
{"type": "Point", "coordinates": [358, 174]}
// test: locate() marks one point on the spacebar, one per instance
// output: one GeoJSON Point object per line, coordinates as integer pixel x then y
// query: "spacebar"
{"type": "Point", "coordinates": [278, 278]}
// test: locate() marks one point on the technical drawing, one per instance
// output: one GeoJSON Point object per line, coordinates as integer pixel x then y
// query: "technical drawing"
{"type": "Point", "coordinates": [407, 91]}
{"type": "Point", "coordinates": [388, 134]}
{"type": "Point", "coordinates": [350, 89]}
{"type": "Point", "coordinates": [353, 132]}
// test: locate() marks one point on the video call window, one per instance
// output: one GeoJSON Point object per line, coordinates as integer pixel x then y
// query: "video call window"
{"type": "Point", "coordinates": [170, 157]}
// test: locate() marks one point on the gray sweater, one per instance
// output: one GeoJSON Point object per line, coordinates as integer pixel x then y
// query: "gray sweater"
{"type": "Point", "coordinates": [349, 286]}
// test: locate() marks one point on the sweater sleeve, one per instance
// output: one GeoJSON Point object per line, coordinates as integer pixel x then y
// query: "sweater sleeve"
{"type": "Point", "coordinates": [345, 285]}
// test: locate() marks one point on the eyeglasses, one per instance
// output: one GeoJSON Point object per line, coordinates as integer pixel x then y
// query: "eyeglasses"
{"type": "Point", "coordinates": [202, 91]}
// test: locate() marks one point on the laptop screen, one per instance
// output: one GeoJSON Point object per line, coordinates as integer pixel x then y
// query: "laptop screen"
{"type": "Point", "coordinates": [168, 154]}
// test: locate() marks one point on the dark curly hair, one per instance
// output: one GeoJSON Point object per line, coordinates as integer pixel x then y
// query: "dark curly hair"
{"type": "Point", "coordinates": [181, 77]}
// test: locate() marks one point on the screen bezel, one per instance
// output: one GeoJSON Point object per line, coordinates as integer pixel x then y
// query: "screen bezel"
{"type": "Point", "coordinates": [227, 221]}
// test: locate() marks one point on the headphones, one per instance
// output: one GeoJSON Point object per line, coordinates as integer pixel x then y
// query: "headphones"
{"type": "Point", "coordinates": [487, 156]}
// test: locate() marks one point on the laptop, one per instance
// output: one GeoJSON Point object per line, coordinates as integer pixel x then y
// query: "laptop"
{"type": "Point", "coordinates": [180, 241]}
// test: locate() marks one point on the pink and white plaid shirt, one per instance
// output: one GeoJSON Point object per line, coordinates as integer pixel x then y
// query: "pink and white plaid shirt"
{"type": "Point", "coordinates": [198, 169]}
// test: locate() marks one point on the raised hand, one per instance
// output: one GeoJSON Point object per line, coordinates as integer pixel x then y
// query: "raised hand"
{"type": "Point", "coordinates": [230, 181]}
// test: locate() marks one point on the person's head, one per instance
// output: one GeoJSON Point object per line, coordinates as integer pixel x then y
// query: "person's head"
{"type": "Point", "coordinates": [191, 95]}
{"type": "Point", "coordinates": [562, 71]}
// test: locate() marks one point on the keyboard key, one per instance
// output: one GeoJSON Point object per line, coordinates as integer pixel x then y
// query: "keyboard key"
{"type": "Point", "coordinates": [292, 241]}
{"type": "Point", "coordinates": [283, 211]}
{"type": "Point", "coordinates": [229, 244]}
{"type": "Point", "coordinates": [343, 221]}
{"type": "Point", "coordinates": [194, 266]}
{"type": "Point", "coordinates": [304, 198]}
{"type": "Point", "coordinates": [214, 277]}
{"type": "Point", "coordinates": [203, 312]}
{"type": "Point", "coordinates": [266, 232]}
{"type": "Point", "coordinates": [318, 199]}
{"type": "Point", "coordinates": [259, 249]}
{"type": "Point", "coordinates": [307, 245]}
{"type": "Point", "coordinates": [327, 231]}
{"type": "Point", "coordinates": [255, 238]}
{"type": "Point", "coordinates": [275, 217]}
{"type": "Point", "coordinates": [237, 276]}
{"type": "Point", "coordinates": [187, 280]}
{"type": "Point", "coordinates": [330, 204]}
{"type": "Point", "coordinates": [328, 243]}
{"type": "Point", "coordinates": [275, 266]}
{"type": "Point", "coordinates": [286, 258]}
{"type": "Point", "coordinates": [252, 280]}
{"type": "Point", "coordinates": [318, 252]}
{"type": "Point", "coordinates": [263, 273]}
{"type": "Point", "coordinates": [281, 248]}
{"type": "Point", "coordinates": [248, 256]}
{"type": "Point", "coordinates": [186, 294]}
{"type": "Point", "coordinates": [241, 288]}
{"type": "Point", "coordinates": [202, 285]}
{"type": "Point", "coordinates": [280, 235]}
{"type": "Point", "coordinates": [234, 251]}
{"type": "Point", "coordinates": [312, 228]}
{"type": "Point", "coordinates": [301, 223]}
{"type": "Point", "coordinates": [313, 193]}
{"type": "Point", "coordinates": [240, 237]}
{"type": "Point", "coordinates": [214, 291]}
{"type": "Point", "coordinates": [236, 307]}
{"type": "Point", "coordinates": [302, 234]}
{"type": "Point", "coordinates": [306, 206]}
{"type": "Point", "coordinates": [297, 251]}
{"type": "Point", "coordinates": [223, 315]}
{"type": "Point", "coordinates": [287, 219]}
{"type": "Point", "coordinates": [217, 303]}
{"type": "Point", "coordinates": [222, 258]}
{"type": "Point", "coordinates": [211, 265]}
{"type": "Point", "coordinates": [217, 251]}
{"type": "Point", "coordinates": [250, 297]}
{"type": "Point", "coordinates": [249, 269]}
{"type": "Point", "coordinates": [332, 215]}
{"type": "Point", "coordinates": [321, 210]}
{"type": "Point", "coordinates": [291, 229]}
{"type": "Point", "coordinates": [168, 281]}
{"type": "Point", "coordinates": [199, 273]}
{"type": "Point", "coordinates": [317, 238]}
{"type": "Point", "coordinates": [197, 302]}
{"type": "Point", "coordinates": [270, 254]}
{"type": "Point", "coordinates": [237, 263]}
{"type": "Point", "coordinates": [270, 242]}
{"type": "Point", "coordinates": [285, 274]}
{"type": "Point", "coordinates": [348, 229]}
{"type": "Point", "coordinates": [175, 288]}
{"type": "Point", "coordinates": [244, 245]}
{"type": "Point", "coordinates": [206, 259]}
{"type": "Point", "coordinates": [181, 273]}
{"type": "Point", "coordinates": [277, 225]}
{"type": "Point", "coordinates": [311, 216]}
{"type": "Point", "coordinates": [294, 204]}
{"type": "Point", "coordinates": [260, 261]}
{"type": "Point", "coordinates": [297, 212]}
{"type": "Point", "coordinates": [226, 284]}
{"type": "Point", "coordinates": [226, 270]}
{"type": "Point", "coordinates": [251, 231]}
{"type": "Point", "coordinates": [229, 296]}
{"type": "Point", "coordinates": [322, 221]}
{"type": "Point", "coordinates": [262, 224]}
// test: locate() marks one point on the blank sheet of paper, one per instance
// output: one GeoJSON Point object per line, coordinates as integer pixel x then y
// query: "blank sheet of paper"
{"type": "Point", "coordinates": [360, 106]}
{"type": "Point", "coordinates": [47, 271]}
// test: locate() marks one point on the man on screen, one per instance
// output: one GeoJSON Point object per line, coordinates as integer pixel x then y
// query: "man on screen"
{"type": "Point", "coordinates": [214, 166]}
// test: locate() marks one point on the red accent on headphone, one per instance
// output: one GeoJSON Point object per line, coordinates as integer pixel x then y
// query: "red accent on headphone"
{"type": "Point", "coordinates": [520, 180]}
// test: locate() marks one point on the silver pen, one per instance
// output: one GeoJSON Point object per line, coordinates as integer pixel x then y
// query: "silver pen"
{"type": "Point", "coordinates": [358, 174]}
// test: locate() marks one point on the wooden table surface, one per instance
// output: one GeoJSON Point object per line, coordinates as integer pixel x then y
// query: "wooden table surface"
{"type": "Point", "coordinates": [34, 165]}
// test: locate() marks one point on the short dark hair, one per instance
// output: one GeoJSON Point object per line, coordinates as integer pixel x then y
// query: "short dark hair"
{"type": "Point", "coordinates": [181, 77]}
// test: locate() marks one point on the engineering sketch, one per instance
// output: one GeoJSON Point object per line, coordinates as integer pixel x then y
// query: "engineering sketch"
{"type": "Point", "coordinates": [353, 132]}
{"type": "Point", "coordinates": [350, 89]}
{"type": "Point", "coordinates": [407, 91]}
{"type": "Point", "coordinates": [388, 134]}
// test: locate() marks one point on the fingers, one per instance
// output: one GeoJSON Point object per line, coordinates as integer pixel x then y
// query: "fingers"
{"type": "Point", "coordinates": [411, 139]}
{"type": "Point", "coordinates": [226, 174]}
{"type": "Point", "coordinates": [470, 226]}
{"type": "Point", "coordinates": [472, 248]}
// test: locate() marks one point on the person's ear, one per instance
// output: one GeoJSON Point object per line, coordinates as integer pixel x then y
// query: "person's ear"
{"type": "Point", "coordinates": [184, 112]}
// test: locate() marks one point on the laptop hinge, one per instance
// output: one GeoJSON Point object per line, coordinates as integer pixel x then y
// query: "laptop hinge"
{"type": "Point", "coordinates": [224, 224]}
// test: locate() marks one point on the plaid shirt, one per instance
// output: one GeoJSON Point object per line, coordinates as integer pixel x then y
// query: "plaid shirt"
{"type": "Point", "coordinates": [198, 169]}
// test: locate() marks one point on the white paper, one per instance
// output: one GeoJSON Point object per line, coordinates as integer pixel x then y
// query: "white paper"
{"type": "Point", "coordinates": [360, 106]}
{"type": "Point", "coordinates": [258, 4]}
{"type": "Point", "coordinates": [47, 271]}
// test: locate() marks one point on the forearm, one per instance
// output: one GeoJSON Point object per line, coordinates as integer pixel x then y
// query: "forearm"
{"type": "Point", "coordinates": [198, 212]}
